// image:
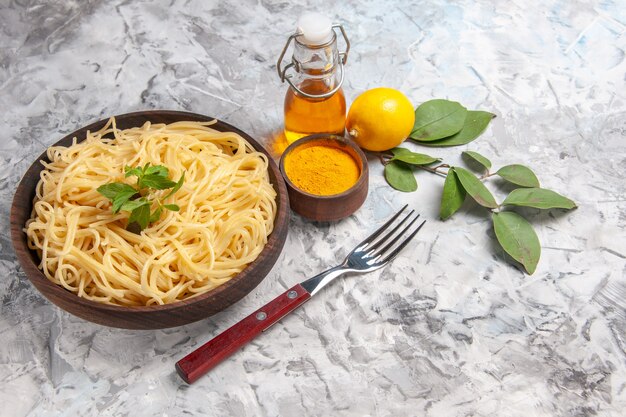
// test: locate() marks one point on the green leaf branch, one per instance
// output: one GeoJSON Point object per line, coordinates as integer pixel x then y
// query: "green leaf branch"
{"type": "Point", "coordinates": [514, 233]}
{"type": "Point", "coordinates": [140, 198]}
{"type": "Point", "coordinates": [442, 123]}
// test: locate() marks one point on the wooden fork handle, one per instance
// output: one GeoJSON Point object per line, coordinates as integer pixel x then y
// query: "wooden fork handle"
{"type": "Point", "coordinates": [207, 356]}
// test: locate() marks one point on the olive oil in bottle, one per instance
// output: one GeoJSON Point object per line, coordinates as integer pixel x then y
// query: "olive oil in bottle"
{"type": "Point", "coordinates": [304, 116]}
{"type": "Point", "coordinates": [314, 102]}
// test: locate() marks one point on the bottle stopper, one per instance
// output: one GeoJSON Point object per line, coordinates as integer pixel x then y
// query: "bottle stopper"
{"type": "Point", "coordinates": [315, 28]}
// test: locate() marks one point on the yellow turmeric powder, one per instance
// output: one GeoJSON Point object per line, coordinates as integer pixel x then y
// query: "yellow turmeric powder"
{"type": "Point", "coordinates": [321, 168]}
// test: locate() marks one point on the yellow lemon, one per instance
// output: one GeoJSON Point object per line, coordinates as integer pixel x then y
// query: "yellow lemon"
{"type": "Point", "coordinates": [380, 119]}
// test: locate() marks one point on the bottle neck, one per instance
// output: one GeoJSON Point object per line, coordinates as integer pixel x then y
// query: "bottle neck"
{"type": "Point", "coordinates": [322, 62]}
{"type": "Point", "coordinates": [316, 63]}
{"type": "Point", "coordinates": [317, 59]}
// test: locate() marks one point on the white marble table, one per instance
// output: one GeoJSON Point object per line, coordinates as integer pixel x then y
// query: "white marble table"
{"type": "Point", "coordinates": [450, 328]}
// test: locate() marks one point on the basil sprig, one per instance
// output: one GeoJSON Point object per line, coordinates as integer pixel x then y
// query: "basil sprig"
{"type": "Point", "coordinates": [140, 198]}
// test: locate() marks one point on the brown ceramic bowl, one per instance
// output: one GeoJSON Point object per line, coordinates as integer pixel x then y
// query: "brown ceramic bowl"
{"type": "Point", "coordinates": [148, 317]}
{"type": "Point", "coordinates": [331, 207]}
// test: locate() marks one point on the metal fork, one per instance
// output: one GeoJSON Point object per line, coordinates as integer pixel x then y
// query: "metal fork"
{"type": "Point", "coordinates": [380, 248]}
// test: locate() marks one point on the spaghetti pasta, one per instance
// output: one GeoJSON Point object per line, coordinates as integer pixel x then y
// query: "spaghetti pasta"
{"type": "Point", "coordinates": [227, 210]}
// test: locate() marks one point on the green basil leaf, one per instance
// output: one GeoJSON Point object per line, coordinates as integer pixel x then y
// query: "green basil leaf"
{"type": "Point", "coordinates": [519, 175]}
{"type": "Point", "coordinates": [129, 171]}
{"type": "Point", "coordinates": [413, 158]}
{"type": "Point", "coordinates": [475, 124]}
{"type": "Point", "coordinates": [538, 198]}
{"type": "Point", "coordinates": [475, 188]}
{"type": "Point", "coordinates": [156, 215]}
{"type": "Point", "coordinates": [158, 170]}
{"type": "Point", "coordinates": [518, 238]}
{"type": "Point", "coordinates": [156, 181]}
{"type": "Point", "coordinates": [111, 190]}
{"type": "Point", "coordinates": [121, 199]}
{"type": "Point", "coordinates": [172, 207]}
{"type": "Point", "coordinates": [118, 193]}
{"type": "Point", "coordinates": [133, 204]}
{"type": "Point", "coordinates": [453, 195]}
{"type": "Point", "coordinates": [179, 184]}
{"type": "Point", "coordinates": [475, 156]}
{"type": "Point", "coordinates": [400, 176]}
{"type": "Point", "coordinates": [436, 119]}
{"type": "Point", "coordinates": [141, 216]}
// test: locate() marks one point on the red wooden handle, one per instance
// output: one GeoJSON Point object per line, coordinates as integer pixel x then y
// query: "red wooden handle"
{"type": "Point", "coordinates": [207, 356]}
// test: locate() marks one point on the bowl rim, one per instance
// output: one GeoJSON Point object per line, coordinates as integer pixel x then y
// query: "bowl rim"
{"type": "Point", "coordinates": [328, 136]}
{"type": "Point", "coordinates": [25, 256]}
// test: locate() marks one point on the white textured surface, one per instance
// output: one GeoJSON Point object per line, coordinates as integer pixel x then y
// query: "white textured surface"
{"type": "Point", "coordinates": [449, 329]}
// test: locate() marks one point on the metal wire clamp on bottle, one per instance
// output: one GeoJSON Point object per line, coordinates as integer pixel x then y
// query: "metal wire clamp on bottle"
{"type": "Point", "coordinates": [314, 102]}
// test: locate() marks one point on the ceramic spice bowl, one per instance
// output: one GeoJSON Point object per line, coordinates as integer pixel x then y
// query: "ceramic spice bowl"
{"type": "Point", "coordinates": [326, 176]}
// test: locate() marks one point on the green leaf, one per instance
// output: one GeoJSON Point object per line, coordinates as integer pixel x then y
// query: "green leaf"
{"type": "Point", "coordinates": [141, 216]}
{"type": "Point", "coordinates": [118, 193]}
{"type": "Point", "coordinates": [133, 204]}
{"type": "Point", "coordinates": [518, 238]}
{"type": "Point", "coordinates": [538, 198]}
{"type": "Point", "coordinates": [156, 181]}
{"type": "Point", "coordinates": [121, 199]}
{"type": "Point", "coordinates": [475, 156]}
{"type": "Point", "coordinates": [111, 190]}
{"type": "Point", "coordinates": [156, 215]}
{"type": "Point", "coordinates": [436, 119]}
{"type": "Point", "coordinates": [405, 155]}
{"type": "Point", "coordinates": [475, 124]}
{"type": "Point", "coordinates": [475, 188]}
{"type": "Point", "coordinates": [453, 195]}
{"type": "Point", "coordinates": [158, 170]}
{"type": "Point", "coordinates": [400, 176]}
{"type": "Point", "coordinates": [172, 207]}
{"type": "Point", "coordinates": [129, 171]}
{"type": "Point", "coordinates": [519, 175]}
{"type": "Point", "coordinates": [179, 184]}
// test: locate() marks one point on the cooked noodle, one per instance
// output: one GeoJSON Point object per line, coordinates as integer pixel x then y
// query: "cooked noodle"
{"type": "Point", "coordinates": [227, 210]}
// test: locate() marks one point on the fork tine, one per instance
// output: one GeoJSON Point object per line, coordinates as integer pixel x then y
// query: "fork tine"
{"type": "Point", "coordinates": [379, 251]}
{"type": "Point", "coordinates": [381, 229]}
{"type": "Point", "coordinates": [401, 246]}
{"type": "Point", "coordinates": [374, 246]}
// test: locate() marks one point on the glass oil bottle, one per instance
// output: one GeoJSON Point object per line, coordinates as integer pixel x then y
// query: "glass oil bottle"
{"type": "Point", "coordinates": [314, 102]}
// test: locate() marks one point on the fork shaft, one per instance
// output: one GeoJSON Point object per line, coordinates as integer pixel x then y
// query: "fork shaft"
{"type": "Point", "coordinates": [319, 281]}
{"type": "Point", "coordinates": [203, 359]}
